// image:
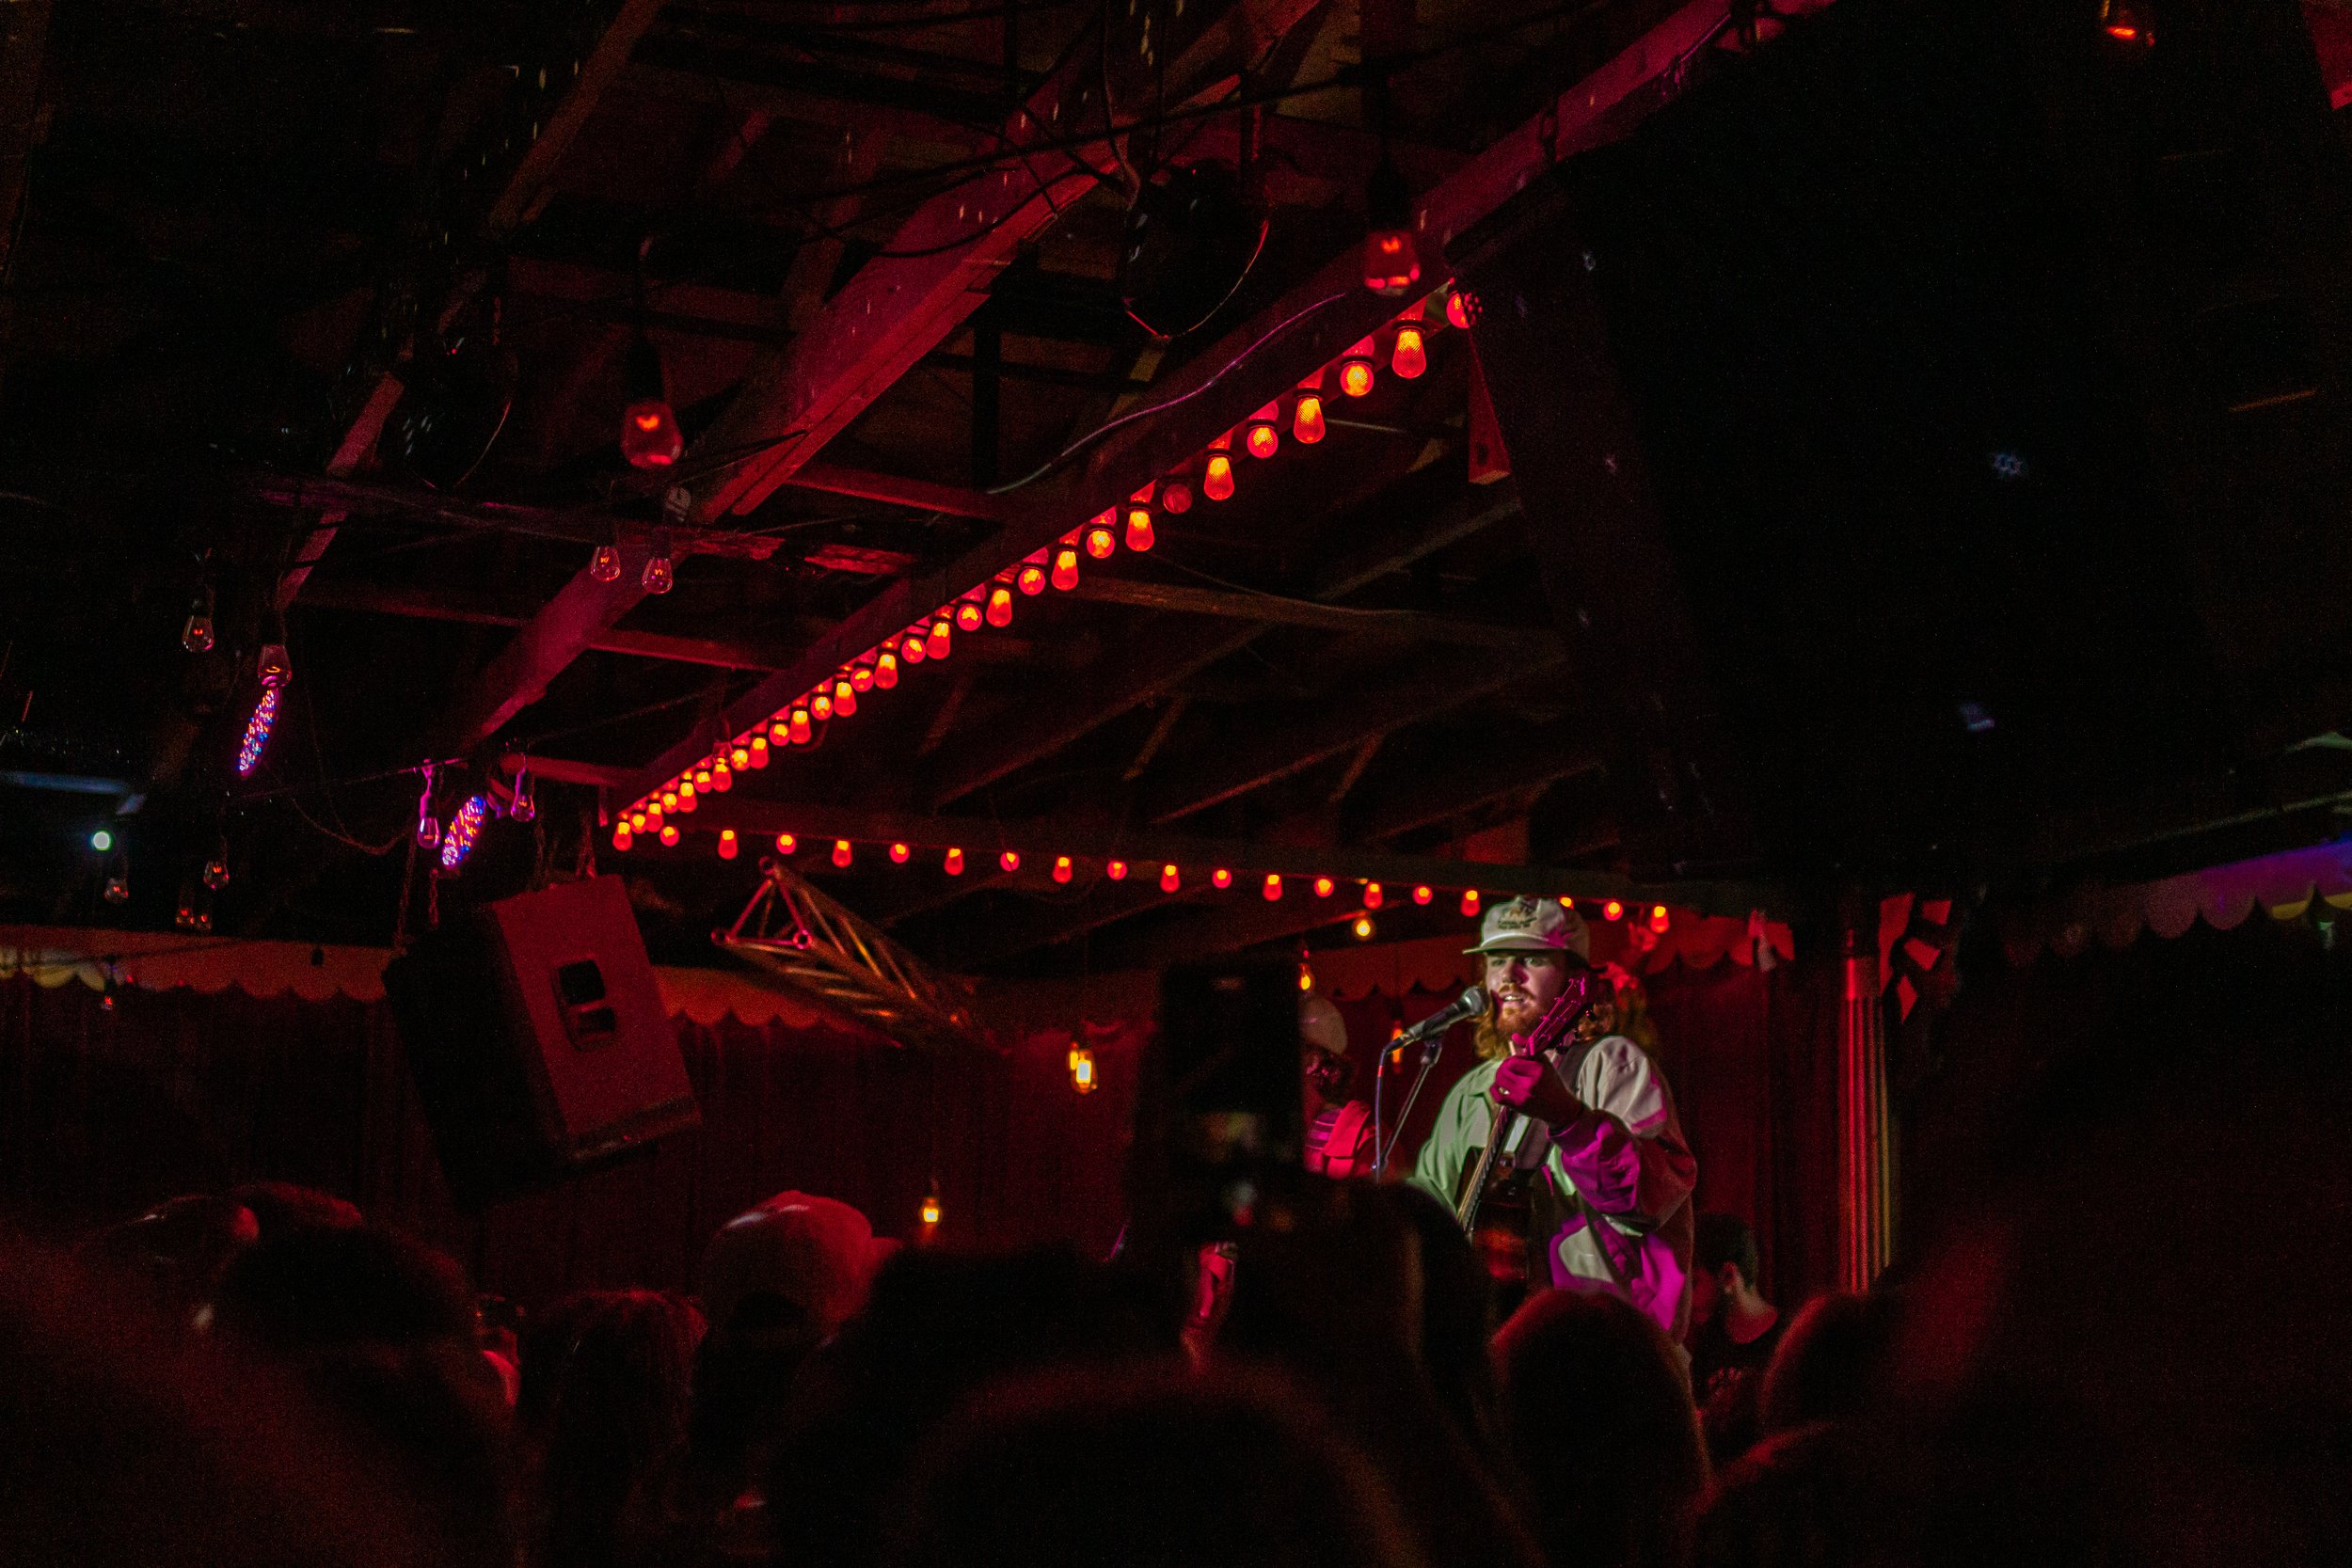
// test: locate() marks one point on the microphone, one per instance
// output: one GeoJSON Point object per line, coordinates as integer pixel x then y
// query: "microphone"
{"type": "Point", "coordinates": [1468, 1005]}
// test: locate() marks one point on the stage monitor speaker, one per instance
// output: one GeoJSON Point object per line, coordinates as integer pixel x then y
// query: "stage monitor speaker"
{"type": "Point", "coordinates": [1935, 430]}
{"type": "Point", "coordinates": [536, 1035]}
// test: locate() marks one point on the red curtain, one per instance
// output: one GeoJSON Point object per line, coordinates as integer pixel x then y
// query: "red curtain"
{"type": "Point", "coordinates": [106, 1109]}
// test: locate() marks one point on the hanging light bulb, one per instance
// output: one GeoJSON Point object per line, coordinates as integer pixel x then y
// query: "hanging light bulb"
{"type": "Point", "coordinates": [1273, 889]}
{"type": "Point", "coordinates": [1139, 535]}
{"type": "Point", "coordinates": [1101, 542]}
{"type": "Point", "coordinates": [464, 829]}
{"type": "Point", "coordinates": [1363, 927]}
{"type": "Point", "coordinates": [701, 782]}
{"type": "Point", "coordinates": [669, 835]}
{"type": "Point", "coordinates": [930, 1207]}
{"type": "Point", "coordinates": [1355, 376]}
{"type": "Point", "coordinates": [886, 671]}
{"type": "Point", "coordinates": [649, 433]}
{"type": "Point", "coordinates": [898, 853]}
{"type": "Point", "coordinates": [623, 838]}
{"type": "Point", "coordinates": [1176, 498]}
{"type": "Point", "coordinates": [1612, 910]}
{"type": "Point", "coordinates": [605, 565]}
{"type": "Point", "coordinates": [722, 777]}
{"type": "Point", "coordinates": [1422, 894]}
{"type": "Point", "coordinates": [1082, 1069]}
{"type": "Point", "coordinates": [1324, 886]}
{"type": "Point", "coordinates": [969, 615]}
{"type": "Point", "coordinates": [820, 706]}
{"type": "Point", "coordinates": [216, 872]}
{"type": "Point", "coordinates": [1306, 411]}
{"type": "Point", "coordinates": [844, 699]}
{"type": "Point", "coordinates": [1065, 569]}
{"type": "Point", "coordinates": [1261, 439]}
{"type": "Point", "coordinates": [740, 756]}
{"type": "Point", "coordinates": [2122, 21]}
{"type": "Point", "coordinates": [660, 575]}
{"type": "Point", "coordinates": [195, 632]}
{"type": "Point", "coordinates": [1062, 868]}
{"type": "Point", "coordinates": [428, 825]}
{"type": "Point", "coordinates": [1031, 580]}
{"type": "Point", "coordinates": [1170, 881]}
{"type": "Point", "coordinates": [1658, 919]}
{"type": "Point", "coordinates": [117, 888]}
{"type": "Point", "coordinates": [787, 844]}
{"type": "Point", "coordinates": [1216, 483]}
{"type": "Point", "coordinates": [801, 728]}
{"type": "Point", "coordinates": [1392, 261]}
{"type": "Point", "coordinates": [1115, 870]}
{"type": "Point", "coordinates": [1306, 975]}
{"type": "Point", "coordinates": [524, 804]}
{"type": "Point", "coordinates": [861, 678]}
{"type": "Point", "coordinates": [953, 864]}
{"type": "Point", "coordinates": [938, 644]}
{"type": "Point", "coordinates": [728, 845]}
{"type": "Point", "coordinates": [1009, 860]}
{"type": "Point", "coordinates": [1410, 357]}
{"type": "Point", "coordinates": [1220, 877]}
{"type": "Point", "coordinates": [912, 646]}
{"type": "Point", "coordinates": [1000, 607]}
{"type": "Point", "coordinates": [669, 798]}
{"type": "Point", "coordinates": [257, 729]}
{"type": "Point", "coordinates": [1470, 901]}
{"type": "Point", "coordinates": [759, 751]}
{"type": "Point", "coordinates": [1373, 895]}
{"type": "Point", "coordinates": [1461, 307]}
{"type": "Point", "coordinates": [841, 853]}
{"type": "Point", "coordinates": [687, 798]}
{"type": "Point", "coordinates": [636, 821]}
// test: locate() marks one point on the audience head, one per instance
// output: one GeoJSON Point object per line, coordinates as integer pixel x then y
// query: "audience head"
{"type": "Point", "coordinates": [1456, 1314]}
{"type": "Point", "coordinates": [1809, 1498]}
{"type": "Point", "coordinates": [618, 1409]}
{"type": "Point", "coordinates": [797, 1266]}
{"type": "Point", "coordinates": [176, 1251]}
{"type": "Point", "coordinates": [1726, 1264]}
{"type": "Point", "coordinates": [1598, 1417]}
{"type": "Point", "coordinates": [281, 1207]}
{"type": "Point", "coordinates": [1164, 1470]}
{"type": "Point", "coordinates": [1827, 1364]}
{"type": "Point", "coordinates": [310, 1287]}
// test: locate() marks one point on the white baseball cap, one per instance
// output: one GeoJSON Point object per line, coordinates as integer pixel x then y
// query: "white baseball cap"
{"type": "Point", "coordinates": [1321, 1026]}
{"type": "Point", "coordinates": [1534, 925]}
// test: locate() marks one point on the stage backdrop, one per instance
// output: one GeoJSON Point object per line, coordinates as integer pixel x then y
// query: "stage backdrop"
{"type": "Point", "coordinates": [112, 1100]}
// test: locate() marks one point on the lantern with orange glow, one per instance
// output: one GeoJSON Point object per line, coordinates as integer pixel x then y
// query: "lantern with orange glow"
{"type": "Point", "coordinates": [1082, 1069]}
{"type": "Point", "coordinates": [649, 432]}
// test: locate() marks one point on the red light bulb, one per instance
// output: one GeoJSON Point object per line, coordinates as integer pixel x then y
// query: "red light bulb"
{"type": "Point", "coordinates": [1101, 542]}
{"type": "Point", "coordinates": [1470, 901]}
{"type": "Point", "coordinates": [1324, 886]}
{"type": "Point", "coordinates": [841, 853]}
{"type": "Point", "coordinates": [1065, 569]}
{"type": "Point", "coordinates": [739, 757]}
{"type": "Point", "coordinates": [911, 646]}
{"type": "Point", "coordinates": [1261, 440]}
{"type": "Point", "coordinates": [1217, 482]}
{"type": "Point", "coordinates": [1000, 607]}
{"type": "Point", "coordinates": [1116, 871]}
{"type": "Point", "coordinates": [636, 821]}
{"type": "Point", "coordinates": [1612, 910]}
{"type": "Point", "coordinates": [787, 844]}
{"type": "Point", "coordinates": [1062, 869]}
{"type": "Point", "coordinates": [1658, 919]}
{"type": "Point", "coordinates": [759, 751]}
{"type": "Point", "coordinates": [669, 834]}
{"type": "Point", "coordinates": [1273, 889]}
{"type": "Point", "coordinates": [898, 853]}
{"type": "Point", "coordinates": [861, 678]}
{"type": "Point", "coordinates": [820, 706]}
{"type": "Point", "coordinates": [800, 730]}
{"type": "Point", "coordinates": [649, 435]}
{"type": "Point", "coordinates": [1169, 879]}
{"type": "Point", "coordinates": [1422, 894]}
{"type": "Point", "coordinates": [968, 616]}
{"type": "Point", "coordinates": [1307, 419]}
{"type": "Point", "coordinates": [1176, 499]}
{"type": "Point", "coordinates": [728, 845]}
{"type": "Point", "coordinates": [1373, 895]}
{"type": "Point", "coordinates": [1220, 877]}
{"type": "Point", "coordinates": [1139, 535]}
{"type": "Point", "coordinates": [1355, 376]}
{"type": "Point", "coordinates": [1009, 860]}
{"type": "Point", "coordinates": [1392, 264]}
{"type": "Point", "coordinates": [1410, 357]}
{"type": "Point", "coordinates": [937, 645]}
{"type": "Point", "coordinates": [1461, 307]}
{"type": "Point", "coordinates": [1032, 580]}
{"type": "Point", "coordinates": [844, 699]}
{"type": "Point", "coordinates": [886, 671]}
{"type": "Point", "coordinates": [723, 778]}
{"type": "Point", "coordinates": [702, 780]}
{"type": "Point", "coordinates": [953, 865]}
{"type": "Point", "coordinates": [687, 800]}
{"type": "Point", "coordinates": [623, 838]}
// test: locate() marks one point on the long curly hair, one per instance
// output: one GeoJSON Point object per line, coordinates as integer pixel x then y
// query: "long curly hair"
{"type": "Point", "coordinates": [1625, 1012]}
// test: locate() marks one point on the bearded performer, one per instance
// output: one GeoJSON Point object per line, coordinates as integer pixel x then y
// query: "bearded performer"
{"type": "Point", "coordinates": [1597, 1149]}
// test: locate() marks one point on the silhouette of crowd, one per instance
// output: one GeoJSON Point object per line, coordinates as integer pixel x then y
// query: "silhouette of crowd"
{"type": "Point", "coordinates": [2124, 1348]}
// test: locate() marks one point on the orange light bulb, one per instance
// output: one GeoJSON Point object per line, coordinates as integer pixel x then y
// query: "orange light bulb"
{"type": "Point", "coordinates": [1373, 895]}
{"type": "Point", "coordinates": [1139, 535]}
{"type": "Point", "coordinates": [1116, 871]}
{"type": "Point", "coordinates": [1273, 889]}
{"type": "Point", "coordinates": [669, 834]}
{"type": "Point", "coordinates": [1262, 441]}
{"type": "Point", "coordinates": [910, 647]}
{"type": "Point", "coordinates": [728, 845]}
{"type": "Point", "coordinates": [844, 699]}
{"type": "Point", "coordinates": [1009, 860]}
{"type": "Point", "coordinates": [969, 616]}
{"type": "Point", "coordinates": [739, 757]}
{"type": "Point", "coordinates": [702, 780]}
{"type": "Point", "coordinates": [1658, 920]}
{"type": "Point", "coordinates": [1062, 869]}
{"type": "Point", "coordinates": [898, 853]}
{"type": "Point", "coordinates": [841, 853]}
{"type": "Point", "coordinates": [938, 644]}
{"type": "Point", "coordinates": [820, 706]}
{"type": "Point", "coordinates": [1422, 894]}
{"type": "Point", "coordinates": [886, 671]}
{"type": "Point", "coordinates": [1065, 569]}
{"type": "Point", "coordinates": [1363, 928]}
{"type": "Point", "coordinates": [1470, 901]}
{"type": "Point", "coordinates": [759, 751]}
{"type": "Point", "coordinates": [623, 838]}
{"type": "Point", "coordinates": [1410, 357]}
{"type": "Point", "coordinates": [787, 844]}
{"type": "Point", "coordinates": [1170, 883]}
{"type": "Point", "coordinates": [1324, 886]}
{"type": "Point", "coordinates": [861, 678]}
{"type": "Point", "coordinates": [953, 864]}
{"type": "Point", "coordinates": [1000, 607]}
{"type": "Point", "coordinates": [1220, 877]}
{"type": "Point", "coordinates": [1101, 543]}
{"type": "Point", "coordinates": [1032, 580]}
{"type": "Point", "coordinates": [636, 822]}
{"type": "Point", "coordinates": [669, 799]}
{"type": "Point", "coordinates": [1217, 482]}
{"type": "Point", "coordinates": [801, 728]}
{"type": "Point", "coordinates": [1307, 419]}
{"type": "Point", "coordinates": [723, 778]}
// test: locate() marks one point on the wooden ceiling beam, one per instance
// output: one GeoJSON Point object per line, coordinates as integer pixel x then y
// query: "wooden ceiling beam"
{"type": "Point", "coordinates": [1425, 797]}
{"type": "Point", "coordinates": [1276, 609]}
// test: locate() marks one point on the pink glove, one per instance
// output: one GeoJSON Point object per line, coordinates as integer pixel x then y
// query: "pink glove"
{"type": "Point", "coordinates": [1528, 1084]}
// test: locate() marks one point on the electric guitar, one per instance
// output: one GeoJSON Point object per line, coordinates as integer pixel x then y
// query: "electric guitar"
{"type": "Point", "coordinates": [1493, 1208]}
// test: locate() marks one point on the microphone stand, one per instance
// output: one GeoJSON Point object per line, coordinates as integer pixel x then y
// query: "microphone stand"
{"type": "Point", "coordinates": [1431, 1050]}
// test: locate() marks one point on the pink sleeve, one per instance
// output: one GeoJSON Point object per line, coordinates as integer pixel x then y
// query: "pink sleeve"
{"type": "Point", "coordinates": [1626, 1153]}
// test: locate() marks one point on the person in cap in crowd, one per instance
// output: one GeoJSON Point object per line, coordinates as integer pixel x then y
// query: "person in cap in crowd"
{"type": "Point", "coordinates": [1609, 1174]}
{"type": "Point", "coordinates": [1733, 1331]}
{"type": "Point", "coordinates": [1339, 1129]}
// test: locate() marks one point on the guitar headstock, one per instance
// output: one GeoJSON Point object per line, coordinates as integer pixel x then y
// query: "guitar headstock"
{"type": "Point", "coordinates": [1578, 992]}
